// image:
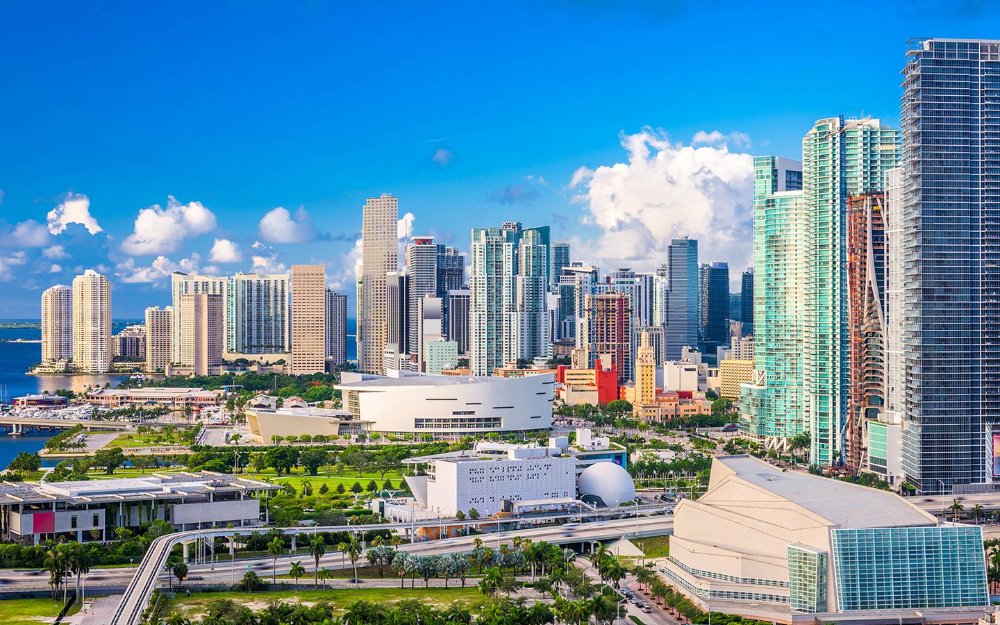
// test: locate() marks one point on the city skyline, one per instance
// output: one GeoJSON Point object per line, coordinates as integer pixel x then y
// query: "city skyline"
{"type": "Point", "coordinates": [256, 191]}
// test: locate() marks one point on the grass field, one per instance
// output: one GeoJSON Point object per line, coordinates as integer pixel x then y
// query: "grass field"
{"type": "Point", "coordinates": [330, 479]}
{"type": "Point", "coordinates": [127, 472]}
{"type": "Point", "coordinates": [32, 611]}
{"type": "Point", "coordinates": [197, 603]}
{"type": "Point", "coordinates": [135, 440]}
{"type": "Point", "coordinates": [654, 547]}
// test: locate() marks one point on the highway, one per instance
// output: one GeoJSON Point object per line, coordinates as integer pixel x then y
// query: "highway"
{"type": "Point", "coordinates": [140, 588]}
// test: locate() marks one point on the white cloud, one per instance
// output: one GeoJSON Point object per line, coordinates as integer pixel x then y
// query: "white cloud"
{"type": "Point", "coordinates": [160, 230]}
{"type": "Point", "coordinates": [55, 252]}
{"type": "Point", "coordinates": [717, 138]}
{"type": "Point", "coordinates": [278, 226]}
{"type": "Point", "coordinates": [404, 226]}
{"type": "Point", "coordinates": [666, 190]}
{"type": "Point", "coordinates": [443, 157]}
{"type": "Point", "coordinates": [160, 269]}
{"type": "Point", "coordinates": [224, 251]}
{"type": "Point", "coordinates": [7, 263]}
{"type": "Point", "coordinates": [266, 260]}
{"type": "Point", "coordinates": [341, 276]}
{"type": "Point", "coordinates": [55, 268]}
{"type": "Point", "coordinates": [28, 233]}
{"type": "Point", "coordinates": [75, 209]}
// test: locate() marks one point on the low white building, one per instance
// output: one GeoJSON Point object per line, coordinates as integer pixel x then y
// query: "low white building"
{"type": "Point", "coordinates": [680, 376]}
{"type": "Point", "coordinates": [444, 405]}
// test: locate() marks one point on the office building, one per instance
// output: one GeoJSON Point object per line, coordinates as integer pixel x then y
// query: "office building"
{"type": "Point", "coordinates": [682, 299]}
{"type": "Point", "coordinates": [57, 323]}
{"type": "Point", "coordinates": [379, 257]}
{"type": "Point", "coordinates": [789, 547]}
{"type": "Point", "coordinates": [450, 270]}
{"type": "Point", "coordinates": [865, 322]}
{"type": "Point", "coordinates": [606, 329]}
{"type": "Point", "coordinates": [308, 319]}
{"type": "Point", "coordinates": [202, 332]}
{"type": "Point", "coordinates": [430, 327]}
{"type": "Point", "coordinates": [458, 318]}
{"type": "Point", "coordinates": [92, 351]}
{"type": "Point", "coordinates": [560, 259]}
{"type": "Point", "coordinates": [507, 302]}
{"type": "Point", "coordinates": [716, 304]}
{"type": "Point", "coordinates": [130, 343]}
{"type": "Point", "coordinates": [336, 328]}
{"type": "Point", "coordinates": [595, 386]}
{"type": "Point", "coordinates": [575, 283]}
{"type": "Point", "coordinates": [422, 276]}
{"type": "Point", "coordinates": [840, 158]}
{"type": "Point", "coordinates": [771, 409]}
{"type": "Point", "coordinates": [257, 314]}
{"type": "Point", "coordinates": [680, 375]}
{"type": "Point", "coordinates": [746, 301]}
{"type": "Point", "coordinates": [440, 355]}
{"type": "Point", "coordinates": [950, 313]}
{"type": "Point", "coordinates": [158, 324]}
{"type": "Point", "coordinates": [733, 373]}
{"type": "Point", "coordinates": [182, 284]}
{"type": "Point", "coordinates": [397, 307]}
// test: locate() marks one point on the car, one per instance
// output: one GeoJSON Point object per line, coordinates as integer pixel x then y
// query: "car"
{"type": "Point", "coordinates": [647, 609]}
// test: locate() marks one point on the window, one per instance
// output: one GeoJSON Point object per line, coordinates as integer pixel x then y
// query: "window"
{"type": "Point", "coordinates": [72, 522]}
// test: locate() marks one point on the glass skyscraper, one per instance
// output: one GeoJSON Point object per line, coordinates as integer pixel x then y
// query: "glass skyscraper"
{"type": "Point", "coordinates": [682, 300]}
{"type": "Point", "coordinates": [716, 302]}
{"type": "Point", "coordinates": [950, 213]}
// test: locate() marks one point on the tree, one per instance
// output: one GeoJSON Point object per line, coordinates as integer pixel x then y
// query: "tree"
{"type": "Point", "coordinates": [281, 458]}
{"type": "Point", "coordinates": [399, 565]}
{"type": "Point", "coordinates": [324, 489]}
{"type": "Point", "coordinates": [387, 485]}
{"type": "Point", "coordinates": [312, 460]}
{"type": "Point", "coordinates": [802, 440]}
{"type": "Point", "coordinates": [274, 549]}
{"type": "Point", "coordinates": [307, 488]}
{"type": "Point", "coordinates": [352, 549]}
{"type": "Point", "coordinates": [372, 486]}
{"type": "Point", "coordinates": [977, 511]}
{"type": "Point", "coordinates": [324, 575]}
{"type": "Point", "coordinates": [25, 463]}
{"type": "Point", "coordinates": [722, 407]}
{"type": "Point", "coordinates": [297, 571]}
{"type": "Point", "coordinates": [473, 514]}
{"type": "Point", "coordinates": [956, 508]}
{"type": "Point", "coordinates": [78, 562]}
{"type": "Point", "coordinates": [619, 407]}
{"type": "Point", "coordinates": [109, 458]}
{"type": "Point", "coordinates": [317, 549]}
{"type": "Point", "coordinates": [340, 488]}
{"type": "Point", "coordinates": [250, 582]}
{"type": "Point", "coordinates": [357, 488]}
{"type": "Point", "coordinates": [180, 571]}
{"type": "Point", "coordinates": [55, 564]}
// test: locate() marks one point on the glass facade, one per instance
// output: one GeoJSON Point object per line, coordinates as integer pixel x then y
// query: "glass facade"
{"type": "Point", "coordinates": [878, 447]}
{"type": "Point", "coordinates": [909, 567]}
{"type": "Point", "coordinates": [951, 275]}
{"type": "Point", "coordinates": [682, 299]}
{"type": "Point", "coordinates": [806, 579]}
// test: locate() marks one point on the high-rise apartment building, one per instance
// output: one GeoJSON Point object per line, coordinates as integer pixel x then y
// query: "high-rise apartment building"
{"type": "Point", "coordinates": [840, 158]}
{"type": "Point", "coordinates": [130, 343]}
{"type": "Point", "coordinates": [450, 270]}
{"type": "Point", "coordinates": [865, 321]}
{"type": "Point", "coordinates": [950, 219]}
{"type": "Point", "coordinates": [422, 277]}
{"type": "Point", "coordinates": [336, 327]}
{"type": "Point", "coordinates": [458, 319]}
{"type": "Point", "coordinates": [771, 408]}
{"type": "Point", "coordinates": [202, 333]}
{"type": "Point", "coordinates": [430, 327]}
{"type": "Point", "coordinates": [158, 324]}
{"type": "Point", "coordinates": [57, 323]}
{"type": "Point", "coordinates": [397, 309]}
{"type": "Point", "coordinates": [258, 314]}
{"type": "Point", "coordinates": [560, 258]}
{"type": "Point", "coordinates": [682, 299]}
{"type": "Point", "coordinates": [716, 302]}
{"type": "Point", "coordinates": [884, 437]}
{"type": "Point", "coordinates": [576, 281]}
{"type": "Point", "coordinates": [746, 301]}
{"type": "Point", "coordinates": [92, 322]}
{"type": "Point", "coordinates": [308, 319]}
{"type": "Point", "coordinates": [606, 329]}
{"type": "Point", "coordinates": [509, 282]}
{"type": "Point", "coordinates": [379, 256]}
{"type": "Point", "coordinates": [182, 284]}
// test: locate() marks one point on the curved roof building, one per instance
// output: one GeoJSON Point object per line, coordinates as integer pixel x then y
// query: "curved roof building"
{"type": "Point", "coordinates": [605, 484]}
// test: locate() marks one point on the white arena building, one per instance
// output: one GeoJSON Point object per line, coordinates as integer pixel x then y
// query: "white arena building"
{"type": "Point", "coordinates": [444, 405]}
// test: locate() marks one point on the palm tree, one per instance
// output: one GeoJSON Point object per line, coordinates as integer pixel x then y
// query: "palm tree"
{"type": "Point", "coordinates": [55, 564]}
{"type": "Point", "coordinates": [297, 571]}
{"type": "Point", "coordinates": [956, 509]}
{"type": "Point", "coordinates": [396, 541]}
{"type": "Point", "coordinates": [317, 549]}
{"type": "Point", "coordinates": [352, 549]}
{"type": "Point", "coordinates": [274, 549]}
{"type": "Point", "coordinates": [78, 562]}
{"type": "Point", "coordinates": [324, 575]}
{"type": "Point", "coordinates": [977, 511]}
{"type": "Point", "coordinates": [492, 581]}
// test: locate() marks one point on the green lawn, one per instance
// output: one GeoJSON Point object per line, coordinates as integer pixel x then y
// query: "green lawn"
{"type": "Point", "coordinates": [330, 479]}
{"type": "Point", "coordinates": [197, 603]}
{"type": "Point", "coordinates": [135, 440]}
{"type": "Point", "coordinates": [32, 611]}
{"type": "Point", "coordinates": [129, 472]}
{"type": "Point", "coordinates": [654, 547]}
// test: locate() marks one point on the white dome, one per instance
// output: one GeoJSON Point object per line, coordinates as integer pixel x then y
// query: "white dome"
{"type": "Point", "coordinates": [605, 483]}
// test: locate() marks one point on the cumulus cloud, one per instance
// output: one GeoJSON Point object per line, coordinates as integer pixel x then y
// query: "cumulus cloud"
{"type": "Point", "coordinates": [129, 272]}
{"type": "Point", "coordinates": [8, 262]}
{"type": "Point", "coordinates": [666, 190]}
{"type": "Point", "coordinates": [160, 230]}
{"type": "Point", "coordinates": [717, 138]}
{"type": "Point", "coordinates": [28, 233]}
{"type": "Point", "coordinates": [74, 209]}
{"type": "Point", "coordinates": [278, 226]}
{"type": "Point", "coordinates": [55, 252]}
{"type": "Point", "coordinates": [224, 251]}
{"type": "Point", "coordinates": [265, 259]}
{"type": "Point", "coordinates": [524, 192]}
{"type": "Point", "coordinates": [55, 268]}
{"type": "Point", "coordinates": [404, 226]}
{"type": "Point", "coordinates": [442, 157]}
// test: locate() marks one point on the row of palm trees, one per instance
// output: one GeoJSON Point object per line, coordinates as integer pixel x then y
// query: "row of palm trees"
{"type": "Point", "coordinates": [66, 560]}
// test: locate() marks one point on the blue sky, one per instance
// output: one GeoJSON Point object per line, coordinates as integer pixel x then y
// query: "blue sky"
{"type": "Point", "coordinates": [620, 124]}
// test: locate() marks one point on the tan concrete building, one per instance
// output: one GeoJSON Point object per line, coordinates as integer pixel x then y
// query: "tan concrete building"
{"type": "Point", "coordinates": [92, 322]}
{"type": "Point", "coordinates": [644, 403]}
{"type": "Point", "coordinates": [57, 323]}
{"type": "Point", "coordinates": [308, 320]}
{"type": "Point", "coordinates": [182, 284]}
{"type": "Point", "coordinates": [203, 333]}
{"type": "Point", "coordinates": [158, 324]}
{"type": "Point", "coordinates": [380, 256]}
{"type": "Point", "coordinates": [732, 373]}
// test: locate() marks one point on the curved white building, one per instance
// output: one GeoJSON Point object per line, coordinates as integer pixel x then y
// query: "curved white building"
{"type": "Point", "coordinates": [403, 402]}
{"type": "Point", "coordinates": [605, 484]}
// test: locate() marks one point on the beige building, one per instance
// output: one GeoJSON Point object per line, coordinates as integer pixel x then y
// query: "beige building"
{"type": "Point", "coordinates": [645, 379]}
{"type": "Point", "coordinates": [308, 319]}
{"type": "Point", "coordinates": [266, 424]}
{"type": "Point", "coordinates": [732, 373]}
{"type": "Point", "coordinates": [158, 324]}
{"type": "Point", "coordinates": [380, 255]}
{"type": "Point", "coordinates": [92, 322]}
{"type": "Point", "coordinates": [57, 323]}
{"type": "Point", "coordinates": [182, 284]}
{"type": "Point", "coordinates": [202, 332]}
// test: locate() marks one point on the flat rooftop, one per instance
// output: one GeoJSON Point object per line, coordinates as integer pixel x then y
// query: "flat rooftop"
{"type": "Point", "coordinates": [354, 381]}
{"type": "Point", "coordinates": [841, 503]}
{"type": "Point", "coordinates": [153, 391]}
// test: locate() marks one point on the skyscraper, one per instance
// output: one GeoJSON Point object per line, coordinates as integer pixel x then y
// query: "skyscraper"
{"type": "Point", "coordinates": [458, 319]}
{"type": "Point", "coordinates": [840, 158]}
{"type": "Point", "coordinates": [950, 322]}
{"type": "Point", "coordinates": [606, 329]}
{"type": "Point", "coordinates": [560, 259]}
{"type": "Point", "coordinates": [336, 327]}
{"type": "Point", "coordinates": [308, 319]}
{"type": "Point", "coordinates": [380, 255]}
{"type": "Point", "coordinates": [575, 283]}
{"type": "Point", "coordinates": [507, 301]}
{"type": "Point", "coordinates": [746, 302]}
{"type": "Point", "coordinates": [92, 322]}
{"type": "Point", "coordinates": [771, 407]}
{"type": "Point", "coordinates": [57, 323]}
{"type": "Point", "coordinates": [422, 276]}
{"type": "Point", "coordinates": [865, 321]}
{"type": "Point", "coordinates": [430, 327]}
{"type": "Point", "coordinates": [258, 314]}
{"type": "Point", "coordinates": [450, 270]}
{"type": "Point", "coordinates": [202, 332]}
{"type": "Point", "coordinates": [158, 324]}
{"type": "Point", "coordinates": [645, 376]}
{"type": "Point", "coordinates": [716, 304]}
{"type": "Point", "coordinates": [682, 299]}
{"type": "Point", "coordinates": [182, 284]}
{"type": "Point", "coordinates": [397, 307]}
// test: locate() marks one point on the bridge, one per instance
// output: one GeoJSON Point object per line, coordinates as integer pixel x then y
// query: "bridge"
{"type": "Point", "coordinates": [139, 590]}
{"type": "Point", "coordinates": [19, 424]}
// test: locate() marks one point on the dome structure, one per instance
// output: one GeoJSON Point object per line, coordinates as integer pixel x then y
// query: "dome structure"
{"type": "Point", "coordinates": [605, 484]}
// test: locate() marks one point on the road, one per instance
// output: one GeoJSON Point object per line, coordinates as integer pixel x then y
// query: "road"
{"type": "Point", "coordinates": [656, 617]}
